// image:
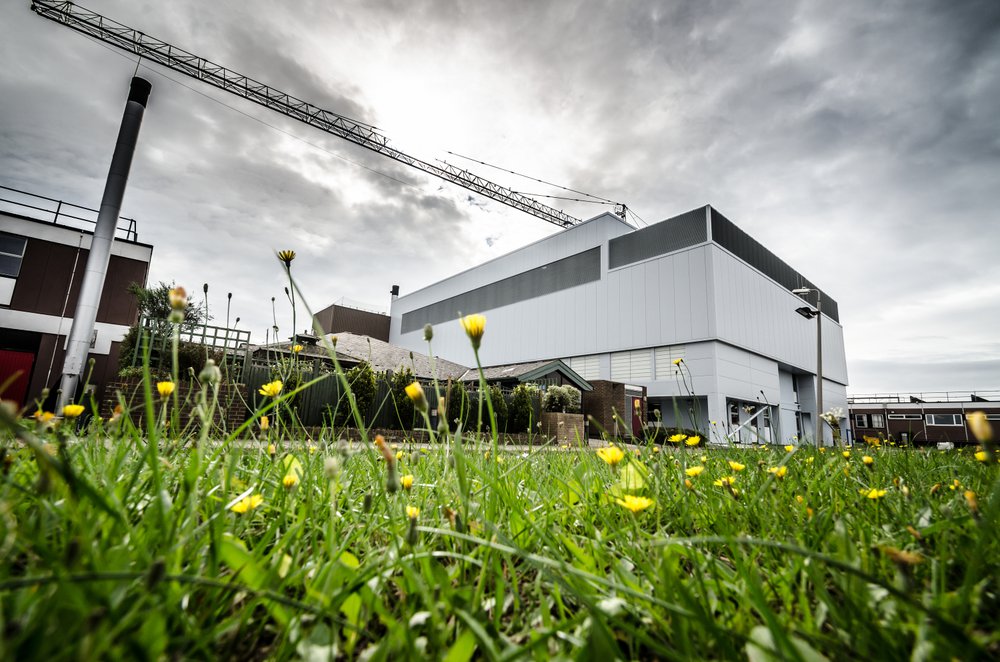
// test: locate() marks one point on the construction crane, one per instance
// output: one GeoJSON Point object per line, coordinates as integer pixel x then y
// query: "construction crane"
{"type": "Point", "coordinates": [149, 48]}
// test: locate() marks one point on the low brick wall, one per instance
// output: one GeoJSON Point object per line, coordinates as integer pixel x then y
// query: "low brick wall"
{"type": "Point", "coordinates": [566, 428]}
{"type": "Point", "coordinates": [420, 436]}
{"type": "Point", "coordinates": [229, 414]}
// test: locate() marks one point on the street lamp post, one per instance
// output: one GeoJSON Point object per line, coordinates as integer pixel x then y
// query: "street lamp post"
{"type": "Point", "coordinates": [809, 313]}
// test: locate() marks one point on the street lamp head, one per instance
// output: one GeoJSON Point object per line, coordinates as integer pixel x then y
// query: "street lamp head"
{"type": "Point", "coordinates": [802, 290]}
{"type": "Point", "coordinates": [807, 312]}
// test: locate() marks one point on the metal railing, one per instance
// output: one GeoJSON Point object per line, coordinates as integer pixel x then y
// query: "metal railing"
{"type": "Point", "coordinates": [924, 396]}
{"type": "Point", "coordinates": [58, 212]}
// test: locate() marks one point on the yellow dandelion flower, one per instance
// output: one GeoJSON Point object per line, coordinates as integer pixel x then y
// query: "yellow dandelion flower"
{"type": "Point", "coordinates": [656, 449]}
{"type": "Point", "coordinates": [727, 481]}
{"type": "Point", "coordinates": [694, 471]}
{"type": "Point", "coordinates": [297, 348]}
{"type": "Point", "coordinates": [406, 481]}
{"type": "Point", "coordinates": [271, 389]}
{"type": "Point", "coordinates": [789, 448]}
{"type": "Point", "coordinates": [736, 466]}
{"type": "Point", "coordinates": [271, 449]}
{"type": "Point", "coordinates": [290, 480]}
{"type": "Point", "coordinates": [286, 257]}
{"type": "Point", "coordinates": [265, 423]}
{"type": "Point", "coordinates": [688, 484]}
{"type": "Point", "coordinates": [982, 456]}
{"type": "Point", "coordinates": [677, 438]}
{"type": "Point", "coordinates": [693, 441]}
{"type": "Point", "coordinates": [980, 427]}
{"type": "Point", "coordinates": [611, 454]}
{"type": "Point", "coordinates": [412, 512]}
{"type": "Point", "coordinates": [475, 327]}
{"type": "Point", "coordinates": [311, 449]}
{"type": "Point", "coordinates": [809, 460]}
{"type": "Point", "coordinates": [779, 472]}
{"type": "Point", "coordinates": [165, 389]}
{"type": "Point", "coordinates": [846, 454]}
{"type": "Point", "coordinates": [72, 411]}
{"type": "Point", "coordinates": [800, 498]}
{"type": "Point", "coordinates": [872, 493]}
{"type": "Point", "coordinates": [970, 499]}
{"type": "Point", "coordinates": [246, 504]}
{"type": "Point", "coordinates": [634, 503]}
{"type": "Point", "coordinates": [822, 450]}
{"type": "Point", "coordinates": [415, 392]}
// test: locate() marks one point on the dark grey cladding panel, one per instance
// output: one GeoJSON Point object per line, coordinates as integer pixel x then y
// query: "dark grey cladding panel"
{"type": "Point", "coordinates": [664, 237]}
{"type": "Point", "coordinates": [562, 274]}
{"type": "Point", "coordinates": [739, 243]}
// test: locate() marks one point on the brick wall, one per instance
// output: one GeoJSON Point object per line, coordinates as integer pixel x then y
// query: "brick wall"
{"type": "Point", "coordinates": [229, 413]}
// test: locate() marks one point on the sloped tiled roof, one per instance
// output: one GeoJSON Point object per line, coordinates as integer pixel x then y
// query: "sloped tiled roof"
{"type": "Point", "coordinates": [527, 372]}
{"type": "Point", "coordinates": [387, 357]}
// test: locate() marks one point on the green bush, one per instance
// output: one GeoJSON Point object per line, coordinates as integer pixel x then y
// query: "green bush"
{"type": "Point", "coordinates": [364, 385]}
{"type": "Point", "coordinates": [402, 414]}
{"type": "Point", "coordinates": [521, 413]}
{"type": "Point", "coordinates": [499, 407]}
{"type": "Point", "coordinates": [562, 398]}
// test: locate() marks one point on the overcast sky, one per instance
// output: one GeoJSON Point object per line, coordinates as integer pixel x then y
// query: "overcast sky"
{"type": "Point", "coordinates": [857, 140]}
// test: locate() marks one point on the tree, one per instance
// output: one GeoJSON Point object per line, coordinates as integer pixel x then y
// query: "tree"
{"type": "Point", "coordinates": [401, 416]}
{"type": "Point", "coordinates": [154, 307]}
{"type": "Point", "coordinates": [522, 408]}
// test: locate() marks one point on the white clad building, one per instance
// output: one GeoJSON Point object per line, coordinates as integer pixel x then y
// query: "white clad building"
{"type": "Point", "coordinates": [621, 304]}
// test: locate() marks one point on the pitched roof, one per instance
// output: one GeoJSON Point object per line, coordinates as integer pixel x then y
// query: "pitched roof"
{"type": "Point", "coordinates": [526, 372]}
{"type": "Point", "coordinates": [384, 356]}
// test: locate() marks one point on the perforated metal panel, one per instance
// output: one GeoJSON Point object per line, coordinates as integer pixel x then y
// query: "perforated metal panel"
{"type": "Point", "coordinates": [739, 243]}
{"type": "Point", "coordinates": [562, 274]}
{"type": "Point", "coordinates": [665, 237]}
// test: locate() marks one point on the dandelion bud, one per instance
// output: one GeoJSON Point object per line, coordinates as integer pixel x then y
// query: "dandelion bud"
{"type": "Point", "coordinates": [156, 573]}
{"type": "Point", "coordinates": [178, 298]}
{"type": "Point", "coordinates": [210, 374]}
{"type": "Point", "coordinates": [331, 468]}
{"type": "Point", "coordinates": [290, 481]}
{"type": "Point", "coordinates": [391, 479]}
{"type": "Point", "coordinates": [204, 288]}
{"type": "Point", "coordinates": [366, 503]}
{"type": "Point", "coordinates": [428, 332]}
{"type": "Point", "coordinates": [265, 423]}
{"type": "Point", "coordinates": [272, 450]}
{"type": "Point", "coordinates": [176, 317]}
{"type": "Point", "coordinates": [411, 533]}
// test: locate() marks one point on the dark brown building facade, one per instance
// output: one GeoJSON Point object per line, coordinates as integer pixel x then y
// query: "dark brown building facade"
{"type": "Point", "coordinates": [42, 263]}
{"type": "Point", "coordinates": [921, 420]}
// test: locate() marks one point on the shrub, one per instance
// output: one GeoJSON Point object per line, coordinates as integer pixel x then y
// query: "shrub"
{"type": "Point", "coordinates": [402, 413]}
{"type": "Point", "coordinates": [364, 385]}
{"type": "Point", "coordinates": [499, 407]}
{"type": "Point", "coordinates": [562, 398]}
{"type": "Point", "coordinates": [522, 408]}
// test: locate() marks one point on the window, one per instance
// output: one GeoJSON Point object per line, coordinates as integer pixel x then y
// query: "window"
{"type": "Point", "coordinates": [861, 420]}
{"type": "Point", "coordinates": [944, 419]}
{"type": "Point", "coordinates": [904, 417]}
{"type": "Point", "coordinates": [878, 420]}
{"type": "Point", "coordinates": [11, 252]}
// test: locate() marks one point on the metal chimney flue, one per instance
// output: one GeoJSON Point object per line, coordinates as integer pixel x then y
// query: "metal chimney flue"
{"type": "Point", "coordinates": [85, 316]}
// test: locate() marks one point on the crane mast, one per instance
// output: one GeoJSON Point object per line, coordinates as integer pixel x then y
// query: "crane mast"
{"type": "Point", "coordinates": [149, 48]}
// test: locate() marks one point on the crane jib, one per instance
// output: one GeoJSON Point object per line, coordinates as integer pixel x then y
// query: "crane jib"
{"type": "Point", "coordinates": [149, 48]}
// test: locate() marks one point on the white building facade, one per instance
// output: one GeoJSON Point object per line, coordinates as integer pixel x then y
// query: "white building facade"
{"type": "Point", "coordinates": [621, 304]}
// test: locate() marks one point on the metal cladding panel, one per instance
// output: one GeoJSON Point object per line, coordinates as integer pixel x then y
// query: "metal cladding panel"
{"type": "Point", "coordinates": [562, 274]}
{"type": "Point", "coordinates": [739, 243]}
{"type": "Point", "coordinates": [667, 236]}
{"type": "Point", "coordinates": [754, 312]}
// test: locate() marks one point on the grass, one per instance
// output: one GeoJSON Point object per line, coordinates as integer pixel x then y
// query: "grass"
{"type": "Point", "coordinates": [120, 542]}
{"type": "Point", "coordinates": [114, 549]}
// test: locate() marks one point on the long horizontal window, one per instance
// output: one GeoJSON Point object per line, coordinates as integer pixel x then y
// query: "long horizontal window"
{"type": "Point", "coordinates": [562, 274]}
{"type": "Point", "coordinates": [944, 419]}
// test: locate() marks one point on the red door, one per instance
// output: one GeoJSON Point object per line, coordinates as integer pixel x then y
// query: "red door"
{"type": "Point", "coordinates": [637, 417]}
{"type": "Point", "coordinates": [16, 367]}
